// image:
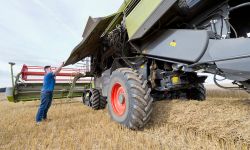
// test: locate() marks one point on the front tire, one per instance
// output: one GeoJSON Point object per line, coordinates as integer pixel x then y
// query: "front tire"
{"type": "Point", "coordinates": [93, 99]}
{"type": "Point", "coordinates": [129, 100]}
{"type": "Point", "coordinates": [197, 93]}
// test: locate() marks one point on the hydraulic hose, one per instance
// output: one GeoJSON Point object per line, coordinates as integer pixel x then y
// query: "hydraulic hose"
{"type": "Point", "coordinates": [239, 6]}
{"type": "Point", "coordinates": [216, 83]}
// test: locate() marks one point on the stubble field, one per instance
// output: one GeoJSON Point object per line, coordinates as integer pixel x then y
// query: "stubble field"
{"type": "Point", "coordinates": [220, 122]}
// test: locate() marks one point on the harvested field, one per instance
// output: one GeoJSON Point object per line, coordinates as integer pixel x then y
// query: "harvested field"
{"type": "Point", "coordinates": [220, 122]}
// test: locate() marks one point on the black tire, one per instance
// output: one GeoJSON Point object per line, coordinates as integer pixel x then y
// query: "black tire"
{"type": "Point", "coordinates": [136, 98]}
{"type": "Point", "coordinates": [197, 93]}
{"type": "Point", "coordinates": [103, 102]}
{"type": "Point", "coordinates": [91, 98]}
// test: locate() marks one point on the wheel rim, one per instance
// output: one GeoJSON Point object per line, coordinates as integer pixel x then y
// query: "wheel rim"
{"type": "Point", "coordinates": [87, 98]}
{"type": "Point", "coordinates": [87, 101]}
{"type": "Point", "coordinates": [118, 99]}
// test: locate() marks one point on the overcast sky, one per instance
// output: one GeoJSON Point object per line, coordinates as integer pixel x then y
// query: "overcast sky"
{"type": "Point", "coordinates": [41, 32]}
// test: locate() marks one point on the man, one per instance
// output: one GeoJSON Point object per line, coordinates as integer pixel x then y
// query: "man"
{"type": "Point", "coordinates": [47, 92]}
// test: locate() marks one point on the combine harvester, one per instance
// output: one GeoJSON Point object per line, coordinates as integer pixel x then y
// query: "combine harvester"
{"type": "Point", "coordinates": [155, 49]}
{"type": "Point", "coordinates": [28, 83]}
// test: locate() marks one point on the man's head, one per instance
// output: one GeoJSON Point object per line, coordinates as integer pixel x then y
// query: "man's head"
{"type": "Point", "coordinates": [47, 69]}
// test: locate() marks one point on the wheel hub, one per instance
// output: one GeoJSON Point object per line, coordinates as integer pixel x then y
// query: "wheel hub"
{"type": "Point", "coordinates": [118, 99]}
{"type": "Point", "coordinates": [121, 98]}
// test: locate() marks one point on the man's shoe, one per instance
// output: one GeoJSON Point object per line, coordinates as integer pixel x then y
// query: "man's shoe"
{"type": "Point", "coordinates": [38, 123]}
{"type": "Point", "coordinates": [46, 120]}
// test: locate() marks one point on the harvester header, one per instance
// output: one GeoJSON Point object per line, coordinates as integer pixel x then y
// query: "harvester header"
{"type": "Point", "coordinates": [70, 82]}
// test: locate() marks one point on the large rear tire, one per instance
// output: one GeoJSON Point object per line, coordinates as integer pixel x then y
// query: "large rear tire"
{"type": "Point", "coordinates": [129, 100]}
{"type": "Point", "coordinates": [197, 93]}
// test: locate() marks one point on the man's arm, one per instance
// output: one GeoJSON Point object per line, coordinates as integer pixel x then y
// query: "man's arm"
{"type": "Point", "coordinates": [58, 69]}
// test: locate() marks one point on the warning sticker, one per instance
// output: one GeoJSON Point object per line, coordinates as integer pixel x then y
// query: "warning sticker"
{"type": "Point", "coordinates": [173, 44]}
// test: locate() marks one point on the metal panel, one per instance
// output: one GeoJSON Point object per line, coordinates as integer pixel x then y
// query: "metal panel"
{"type": "Point", "coordinates": [224, 53]}
{"type": "Point", "coordinates": [183, 45]}
{"type": "Point", "coordinates": [140, 14]}
{"type": "Point", "coordinates": [145, 15]}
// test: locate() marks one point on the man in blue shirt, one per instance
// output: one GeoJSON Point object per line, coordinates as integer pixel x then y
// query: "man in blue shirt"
{"type": "Point", "coordinates": [47, 92]}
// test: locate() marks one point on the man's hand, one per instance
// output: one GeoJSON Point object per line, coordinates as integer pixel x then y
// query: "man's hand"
{"type": "Point", "coordinates": [62, 64]}
{"type": "Point", "coordinates": [58, 69]}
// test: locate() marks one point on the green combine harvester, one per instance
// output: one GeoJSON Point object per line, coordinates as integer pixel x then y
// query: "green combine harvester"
{"type": "Point", "coordinates": [154, 49]}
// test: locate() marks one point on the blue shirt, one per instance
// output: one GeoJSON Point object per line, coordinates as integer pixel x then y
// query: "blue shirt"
{"type": "Point", "coordinates": [48, 82]}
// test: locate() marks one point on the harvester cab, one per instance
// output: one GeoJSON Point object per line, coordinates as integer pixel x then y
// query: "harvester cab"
{"type": "Point", "coordinates": [154, 48]}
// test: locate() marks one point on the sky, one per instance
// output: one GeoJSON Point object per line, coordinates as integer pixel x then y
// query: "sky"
{"type": "Point", "coordinates": [44, 32]}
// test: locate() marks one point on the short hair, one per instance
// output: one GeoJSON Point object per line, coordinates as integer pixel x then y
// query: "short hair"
{"type": "Point", "coordinates": [46, 67]}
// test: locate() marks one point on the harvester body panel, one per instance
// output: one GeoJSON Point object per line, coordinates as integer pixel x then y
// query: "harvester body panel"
{"type": "Point", "coordinates": [145, 15]}
{"type": "Point", "coordinates": [139, 15]}
{"type": "Point", "coordinates": [231, 56]}
{"type": "Point", "coordinates": [174, 45]}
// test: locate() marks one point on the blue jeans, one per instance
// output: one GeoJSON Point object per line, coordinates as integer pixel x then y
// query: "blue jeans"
{"type": "Point", "coordinates": [46, 99]}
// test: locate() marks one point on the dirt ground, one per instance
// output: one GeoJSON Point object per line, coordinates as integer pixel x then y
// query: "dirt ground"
{"type": "Point", "coordinates": [220, 122]}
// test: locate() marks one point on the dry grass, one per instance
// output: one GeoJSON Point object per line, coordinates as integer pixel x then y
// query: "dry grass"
{"type": "Point", "coordinates": [220, 93]}
{"type": "Point", "coordinates": [217, 123]}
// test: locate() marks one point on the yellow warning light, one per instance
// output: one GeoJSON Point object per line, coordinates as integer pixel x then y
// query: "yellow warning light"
{"type": "Point", "coordinates": [175, 80]}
